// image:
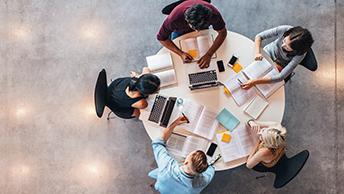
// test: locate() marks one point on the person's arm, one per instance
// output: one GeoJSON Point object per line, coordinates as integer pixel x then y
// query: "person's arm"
{"type": "Point", "coordinates": [187, 58]}
{"type": "Point", "coordinates": [264, 124]}
{"type": "Point", "coordinates": [266, 34]}
{"type": "Point", "coordinates": [204, 61]}
{"type": "Point", "coordinates": [166, 133]}
{"type": "Point", "coordinates": [161, 154]}
{"type": "Point", "coordinates": [141, 104]}
{"type": "Point", "coordinates": [256, 156]}
{"type": "Point", "coordinates": [209, 173]}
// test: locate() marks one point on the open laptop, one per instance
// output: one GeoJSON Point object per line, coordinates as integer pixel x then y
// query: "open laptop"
{"type": "Point", "coordinates": [162, 110]}
{"type": "Point", "coordinates": [201, 78]}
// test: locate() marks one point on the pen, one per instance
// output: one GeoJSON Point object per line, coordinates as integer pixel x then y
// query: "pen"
{"type": "Point", "coordinates": [240, 82]}
{"type": "Point", "coordinates": [187, 120]}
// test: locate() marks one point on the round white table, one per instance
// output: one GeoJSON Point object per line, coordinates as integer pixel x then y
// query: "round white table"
{"type": "Point", "coordinates": [215, 98]}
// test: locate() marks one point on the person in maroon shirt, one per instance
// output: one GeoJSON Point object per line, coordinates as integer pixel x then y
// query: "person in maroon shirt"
{"type": "Point", "coordinates": [193, 15]}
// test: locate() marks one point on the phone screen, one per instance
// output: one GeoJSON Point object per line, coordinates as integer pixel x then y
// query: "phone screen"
{"type": "Point", "coordinates": [211, 149]}
{"type": "Point", "coordinates": [233, 60]}
{"type": "Point", "coordinates": [220, 66]}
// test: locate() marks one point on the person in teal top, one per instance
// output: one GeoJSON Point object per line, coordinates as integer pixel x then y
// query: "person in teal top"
{"type": "Point", "coordinates": [191, 177]}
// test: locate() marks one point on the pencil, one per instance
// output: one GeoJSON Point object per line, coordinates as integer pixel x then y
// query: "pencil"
{"type": "Point", "coordinates": [187, 120]}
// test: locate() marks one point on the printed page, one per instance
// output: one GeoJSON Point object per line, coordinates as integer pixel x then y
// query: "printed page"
{"type": "Point", "coordinates": [159, 62]}
{"type": "Point", "coordinates": [175, 145]}
{"type": "Point", "coordinates": [247, 140]}
{"type": "Point", "coordinates": [193, 143]}
{"type": "Point", "coordinates": [268, 89]}
{"type": "Point", "coordinates": [167, 77]}
{"type": "Point", "coordinates": [257, 69]}
{"type": "Point", "coordinates": [193, 112]}
{"type": "Point", "coordinates": [204, 43]}
{"type": "Point", "coordinates": [230, 151]}
{"type": "Point", "coordinates": [205, 126]}
{"type": "Point", "coordinates": [240, 96]}
{"type": "Point", "coordinates": [256, 107]}
{"type": "Point", "coordinates": [190, 46]}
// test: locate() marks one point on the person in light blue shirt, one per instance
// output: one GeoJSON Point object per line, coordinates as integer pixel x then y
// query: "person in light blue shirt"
{"type": "Point", "coordinates": [191, 177]}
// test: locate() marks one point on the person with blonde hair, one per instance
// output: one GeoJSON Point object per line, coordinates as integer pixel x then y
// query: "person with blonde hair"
{"type": "Point", "coordinates": [271, 144]}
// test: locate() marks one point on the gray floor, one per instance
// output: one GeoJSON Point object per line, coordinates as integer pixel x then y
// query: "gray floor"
{"type": "Point", "coordinates": [51, 52]}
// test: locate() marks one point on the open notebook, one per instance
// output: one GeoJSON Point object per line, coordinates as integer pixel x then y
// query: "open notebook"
{"type": "Point", "coordinates": [259, 69]}
{"type": "Point", "coordinates": [241, 143]}
{"type": "Point", "coordinates": [198, 46]}
{"type": "Point", "coordinates": [180, 145]}
{"type": "Point", "coordinates": [202, 119]}
{"type": "Point", "coordinates": [256, 107]}
{"type": "Point", "coordinates": [162, 66]}
{"type": "Point", "coordinates": [240, 96]}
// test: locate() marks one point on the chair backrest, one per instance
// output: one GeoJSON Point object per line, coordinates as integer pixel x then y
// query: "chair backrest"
{"type": "Point", "coordinates": [168, 9]}
{"type": "Point", "coordinates": [288, 168]}
{"type": "Point", "coordinates": [100, 93]}
{"type": "Point", "coordinates": [310, 61]}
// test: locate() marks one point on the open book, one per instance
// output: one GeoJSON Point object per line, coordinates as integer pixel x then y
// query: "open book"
{"type": "Point", "coordinates": [259, 69]}
{"type": "Point", "coordinates": [240, 96]}
{"type": "Point", "coordinates": [180, 146]}
{"type": "Point", "coordinates": [202, 119]}
{"type": "Point", "coordinates": [162, 66]}
{"type": "Point", "coordinates": [256, 107]}
{"type": "Point", "coordinates": [197, 47]}
{"type": "Point", "coordinates": [241, 143]}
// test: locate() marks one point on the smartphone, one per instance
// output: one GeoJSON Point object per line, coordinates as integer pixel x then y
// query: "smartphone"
{"type": "Point", "coordinates": [232, 61]}
{"type": "Point", "coordinates": [220, 66]}
{"type": "Point", "coordinates": [211, 149]}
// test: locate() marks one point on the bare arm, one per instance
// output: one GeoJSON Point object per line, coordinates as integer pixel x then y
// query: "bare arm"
{"type": "Point", "coordinates": [204, 61]}
{"type": "Point", "coordinates": [166, 133]}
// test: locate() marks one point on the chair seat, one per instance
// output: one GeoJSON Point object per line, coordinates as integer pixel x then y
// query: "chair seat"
{"type": "Point", "coordinates": [286, 168]}
{"type": "Point", "coordinates": [100, 93]}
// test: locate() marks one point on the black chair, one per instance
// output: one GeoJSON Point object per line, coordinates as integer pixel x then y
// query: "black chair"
{"type": "Point", "coordinates": [168, 9]}
{"type": "Point", "coordinates": [286, 168]}
{"type": "Point", "coordinates": [100, 93]}
{"type": "Point", "coordinates": [309, 62]}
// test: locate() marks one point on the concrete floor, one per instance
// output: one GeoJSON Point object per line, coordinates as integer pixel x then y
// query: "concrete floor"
{"type": "Point", "coordinates": [51, 52]}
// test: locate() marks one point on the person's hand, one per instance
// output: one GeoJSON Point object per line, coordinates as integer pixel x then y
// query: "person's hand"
{"type": "Point", "coordinates": [258, 57]}
{"type": "Point", "coordinates": [248, 84]}
{"type": "Point", "coordinates": [254, 126]}
{"type": "Point", "coordinates": [145, 70]}
{"type": "Point", "coordinates": [180, 120]}
{"type": "Point", "coordinates": [133, 74]}
{"type": "Point", "coordinates": [186, 57]}
{"type": "Point", "coordinates": [204, 61]}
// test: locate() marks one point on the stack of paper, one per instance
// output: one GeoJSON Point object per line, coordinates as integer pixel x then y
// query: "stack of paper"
{"type": "Point", "coordinates": [256, 107]}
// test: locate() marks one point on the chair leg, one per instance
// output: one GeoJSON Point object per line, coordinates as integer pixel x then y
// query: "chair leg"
{"type": "Point", "coordinates": [108, 117]}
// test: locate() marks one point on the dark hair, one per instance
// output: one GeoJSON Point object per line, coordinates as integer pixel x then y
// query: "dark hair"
{"type": "Point", "coordinates": [146, 84]}
{"type": "Point", "coordinates": [198, 16]}
{"type": "Point", "coordinates": [199, 161]}
{"type": "Point", "coordinates": [301, 40]}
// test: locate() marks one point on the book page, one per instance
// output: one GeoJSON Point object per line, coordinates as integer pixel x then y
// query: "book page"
{"type": "Point", "coordinates": [229, 151]}
{"type": "Point", "coordinates": [256, 107]}
{"type": "Point", "coordinates": [159, 62]}
{"type": "Point", "coordinates": [240, 96]}
{"type": "Point", "coordinates": [257, 69]}
{"type": "Point", "coordinates": [190, 46]}
{"type": "Point", "coordinates": [247, 140]}
{"type": "Point", "coordinates": [167, 77]}
{"type": "Point", "coordinates": [268, 89]}
{"type": "Point", "coordinates": [205, 126]}
{"type": "Point", "coordinates": [193, 143]}
{"type": "Point", "coordinates": [175, 144]}
{"type": "Point", "coordinates": [193, 112]}
{"type": "Point", "coordinates": [204, 43]}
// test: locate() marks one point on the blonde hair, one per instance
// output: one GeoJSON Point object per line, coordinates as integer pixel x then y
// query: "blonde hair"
{"type": "Point", "coordinates": [274, 137]}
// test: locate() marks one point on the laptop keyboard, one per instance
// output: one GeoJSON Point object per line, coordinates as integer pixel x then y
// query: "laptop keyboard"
{"type": "Point", "coordinates": [202, 77]}
{"type": "Point", "coordinates": [157, 108]}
